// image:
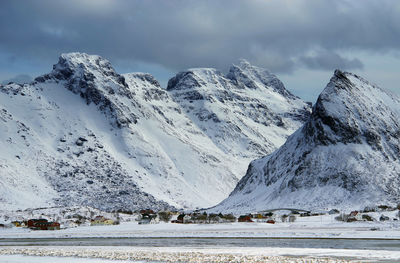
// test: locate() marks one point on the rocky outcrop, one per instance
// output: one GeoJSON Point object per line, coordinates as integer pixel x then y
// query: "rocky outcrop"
{"type": "Point", "coordinates": [95, 80]}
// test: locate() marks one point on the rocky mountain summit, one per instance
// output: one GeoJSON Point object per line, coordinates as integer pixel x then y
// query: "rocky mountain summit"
{"type": "Point", "coordinates": [85, 135]}
{"type": "Point", "coordinates": [94, 79]}
{"type": "Point", "coordinates": [346, 155]}
{"type": "Point", "coordinates": [246, 113]}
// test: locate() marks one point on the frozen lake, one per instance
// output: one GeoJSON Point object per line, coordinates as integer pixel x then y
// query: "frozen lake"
{"type": "Point", "coordinates": [332, 243]}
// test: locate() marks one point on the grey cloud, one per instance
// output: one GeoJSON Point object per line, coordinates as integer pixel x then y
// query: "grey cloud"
{"type": "Point", "coordinates": [188, 33]}
{"type": "Point", "coordinates": [328, 60]}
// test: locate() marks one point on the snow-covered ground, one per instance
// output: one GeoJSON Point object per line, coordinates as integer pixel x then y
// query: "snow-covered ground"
{"type": "Point", "coordinates": [324, 226]}
{"type": "Point", "coordinates": [167, 254]}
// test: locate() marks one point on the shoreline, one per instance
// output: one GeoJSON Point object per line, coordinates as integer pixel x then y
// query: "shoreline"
{"type": "Point", "coordinates": [199, 237]}
{"type": "Point", "coordinates": [200, 255]}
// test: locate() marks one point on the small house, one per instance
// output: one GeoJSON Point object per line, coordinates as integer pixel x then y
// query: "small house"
{"type": "Point", "coordinates": [245, 218]}
{"type": "Point", "coordinates": [259, 218]}
{"type": "Point", "coordinates": [34, 222]}
{"type": "Point", "coordinates": [53, 226]}
{"type": "Point", "coordinates": [43, 224]}
{"type": "Point", "coordinates": [101, 220]}
{"type": "Point", "coordinates": [71, 223]}
{"type": "Point", "coordinates": [148, 219]}
{"type": "Point", "coordinates": [355, 216]}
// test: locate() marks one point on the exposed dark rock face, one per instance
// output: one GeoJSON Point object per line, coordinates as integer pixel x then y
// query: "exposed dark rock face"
{"type": "Point", "coordinates": [92, 177]}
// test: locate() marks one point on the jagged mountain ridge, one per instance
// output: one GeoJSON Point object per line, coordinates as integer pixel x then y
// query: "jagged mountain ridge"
{"type": "Point", "coordinates": [239, 109]}
{"type": "Point", "coordinates": [345, 156]}
{"type": "Point", "coordinates": [86, 135]}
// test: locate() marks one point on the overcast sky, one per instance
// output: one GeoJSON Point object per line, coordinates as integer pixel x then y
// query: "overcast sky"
{"type": "Point", "coordinates": [302, 42]}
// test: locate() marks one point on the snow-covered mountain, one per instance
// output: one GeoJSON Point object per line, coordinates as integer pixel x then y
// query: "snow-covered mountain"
{"type": "Point", "coordinates": [86, 135]}
{"type": "Point", "coordinates": [345, 156]}
{"type": "Point", "coordinates": [247, 113]}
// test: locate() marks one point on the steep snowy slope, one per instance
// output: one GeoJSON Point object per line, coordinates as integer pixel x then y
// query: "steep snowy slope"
{"type": "Point", "coordinates": [346, 155]}
{"type": "Point", "coordinates": [56, 149]}
{"type": "Point", "coordinates": [247, 113]}
{"type": "Point", "coordinates": [86, 135]}
{"type": "Point", "coordinates": [184, 166]}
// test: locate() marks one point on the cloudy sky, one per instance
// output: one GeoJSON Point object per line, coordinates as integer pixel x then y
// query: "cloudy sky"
{"type": "Point", "coordinates": [300, 41]}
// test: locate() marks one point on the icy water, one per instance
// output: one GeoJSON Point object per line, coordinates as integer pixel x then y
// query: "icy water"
{"type": "Point", "coordinates": [371, 244]}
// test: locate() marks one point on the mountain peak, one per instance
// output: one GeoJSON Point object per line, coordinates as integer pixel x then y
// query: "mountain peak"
{"type": "Point", "coordinates": [249, 76]}
{"type": "Point", "coordinates": [243, 63]}
{"type": "Point", "coordinates": [341, 80]}
{"type": "Point", "coordinates": [96, 81]}
{"type": "Point", "coordinates": [83, 62]}
{"type": "Point", "coordinates": [79, 57]}
{"type": "Point", "coordinates": [81, 66]}
{"type": "Point", "coordinates": [345, 156]}
{"type": "Point", "coordinates": [194, 77]}
{"type": "Point", "coordinates": [345, 111]}
{"type": "Point", "coordinates": [241, 76]}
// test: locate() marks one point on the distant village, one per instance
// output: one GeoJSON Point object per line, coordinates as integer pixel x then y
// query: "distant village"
{"type": "Point", "coordinates": [62, 218]}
